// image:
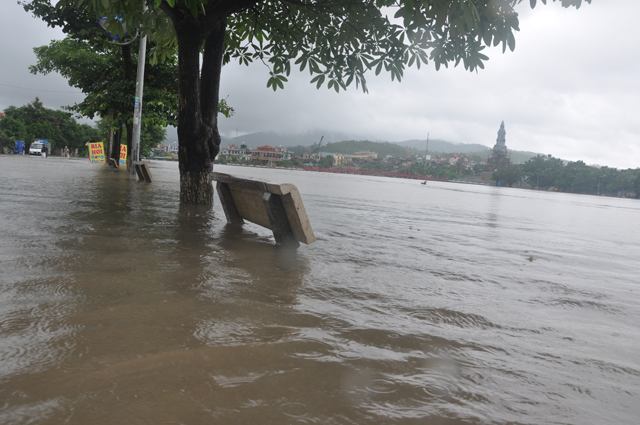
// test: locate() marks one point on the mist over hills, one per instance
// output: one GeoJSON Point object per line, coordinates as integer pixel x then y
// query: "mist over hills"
{"type": "Point", "coordinates": [442, 146]}
{"type": "Point", "coordinates": [253, 140]}
{"type": "Point", "coordinates": [271, 138]}
{"type": "Point", "coordinates": [437, 146]}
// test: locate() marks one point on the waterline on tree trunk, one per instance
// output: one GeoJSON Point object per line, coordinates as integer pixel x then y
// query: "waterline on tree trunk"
{"type": "Point", "coordinates": [196, 188]}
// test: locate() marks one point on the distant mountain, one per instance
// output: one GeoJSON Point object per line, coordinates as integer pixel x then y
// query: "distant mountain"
{"type": "Point", "coordinates": [437, 146]}
{"type": "Point", "coordinates": [442, 146]}
{"type": "Point", "coordinates": [520, 157]}
{"type": "Point", "coordinates": [253, 140]}
{"type": "Point", "coordinates": [352, 146]}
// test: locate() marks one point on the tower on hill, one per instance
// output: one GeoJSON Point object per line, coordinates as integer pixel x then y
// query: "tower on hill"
{"type": "Point", "coordinates": [499, 157]}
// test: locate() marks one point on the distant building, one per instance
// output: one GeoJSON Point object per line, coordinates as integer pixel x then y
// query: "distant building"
{"type": "Point", "coordinates": [338, 158]}
{"type": "Point", "coordinates": [315, 156]}
{"type": "Point", "coordinates": [499, 157]}
{"type": "Point", "coordinates": [285, 152]}
{"type": "Point", "coordinates": [233, 152]}
{"type": "Point", "coordinates": [341, 158]}
{"type": "Point", "coordinates": [365, 155]}
{"type": "Point", "coordinates": [456, 157]}
{"type": "Point", "coordinates": [230, 151]}
{"type": "Point", "coordinates": [173, 147]}
{"type": "Point", "coordinates": [267, 154]}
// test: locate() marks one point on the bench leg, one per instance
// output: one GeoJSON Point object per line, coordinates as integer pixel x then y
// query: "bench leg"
{"type": "Point", "coordinates": [228, 204]}
{"type": "Point", "coordinates": [279, 221]}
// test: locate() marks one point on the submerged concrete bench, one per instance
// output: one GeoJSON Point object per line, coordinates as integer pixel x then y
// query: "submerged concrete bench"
{"type": "Point", "coordinates": [276, 206]}
{"type": "Point", "coordinates": [143, 171]}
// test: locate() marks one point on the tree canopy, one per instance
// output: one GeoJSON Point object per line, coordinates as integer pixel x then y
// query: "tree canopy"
{"type": "Point", "coordinates": [546, 172]}
{"type": "Point", "coordinates": [508, 175]}
{"type": "Point", "coordinates": [337, 41]}
{"type": "Point", "coordinates": [35, 121]}
{"type": "Point", "coordinates": [98, 70]}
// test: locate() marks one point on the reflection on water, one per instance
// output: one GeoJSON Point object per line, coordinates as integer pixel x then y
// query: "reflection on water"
{"type": "Point", "coordinates": [440, 304]}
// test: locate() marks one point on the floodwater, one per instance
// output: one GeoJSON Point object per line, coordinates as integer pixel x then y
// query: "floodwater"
{"type": "Point", "coordinates": [418, 304]}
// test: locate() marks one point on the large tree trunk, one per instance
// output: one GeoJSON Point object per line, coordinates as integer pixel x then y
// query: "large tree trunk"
{"type": "Point", "coordinates": [198, 135]}
{"type": "Point", "coordinates": [117, 139]}
{"type": "Point", "coordinates": [194, 164]}
{"type": "Point", "coordinates": [110, 138]}
{"type": "Point", "coordinates": [129, 161]}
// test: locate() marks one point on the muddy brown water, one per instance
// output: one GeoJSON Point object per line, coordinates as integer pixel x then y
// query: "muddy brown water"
{"type": "Point", "coordinates": [418, 304]}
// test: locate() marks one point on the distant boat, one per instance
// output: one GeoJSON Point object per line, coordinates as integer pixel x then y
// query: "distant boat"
{"type": "Point", "coordinates": [424, 182]}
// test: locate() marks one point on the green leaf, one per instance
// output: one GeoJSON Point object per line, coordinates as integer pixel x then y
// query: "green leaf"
{"type": "Point", "coordinates": [487, 38]}
{"type": "Point", "coordinates": [194, 9]}
{"type": "Point", "coordinates": [319, 80]}
{"type": "Point", "coordinates": [350, 79]}
{"type": "Point", "coordinates": [302, 61]}
{"type": "Point", "coordinates": [511, 40]}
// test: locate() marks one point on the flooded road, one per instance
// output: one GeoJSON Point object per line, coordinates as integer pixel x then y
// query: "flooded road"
{"type": "Point", "coordinates": [436, 304]}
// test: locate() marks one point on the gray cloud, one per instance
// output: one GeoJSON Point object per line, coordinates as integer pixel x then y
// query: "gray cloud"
{"type": "Point", "coordinates": [21, 33]}
{"type": "Point", "coordinates": [570, 89]}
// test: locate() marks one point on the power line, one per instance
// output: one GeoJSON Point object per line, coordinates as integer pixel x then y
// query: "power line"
{"type": "Point", "coordinates": [49, 91]}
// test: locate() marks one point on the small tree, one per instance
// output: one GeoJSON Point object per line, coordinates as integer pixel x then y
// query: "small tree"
{"type": "Point", "coordinates": [326, 162]}
{"type": "Point", "coordinates": [509, 175]}
{"type": "Point", "coordinates": [6, 142]}
{"type": "Point", "coordinates": [541, 171]}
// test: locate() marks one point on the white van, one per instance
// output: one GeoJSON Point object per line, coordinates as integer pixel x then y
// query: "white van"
{"type": "Point", "coordinates": [37, 145]}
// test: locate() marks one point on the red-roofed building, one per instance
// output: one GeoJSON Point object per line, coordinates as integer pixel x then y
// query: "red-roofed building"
{"type": "Point", "coordinates": [267, 154]}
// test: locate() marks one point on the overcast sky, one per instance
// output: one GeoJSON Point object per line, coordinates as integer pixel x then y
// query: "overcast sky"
{"type": "Point", "coordinates": [570, 89]}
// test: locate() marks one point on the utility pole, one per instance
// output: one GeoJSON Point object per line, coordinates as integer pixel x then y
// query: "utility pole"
{"type": "Point", "coordinates": [599, 184]}
{"type": "Point", "coordinates": [137, 108]}
{"type": "Point", "coordinates": [426, 152]}
{"type": "Point", "coordinates": [134, 155]}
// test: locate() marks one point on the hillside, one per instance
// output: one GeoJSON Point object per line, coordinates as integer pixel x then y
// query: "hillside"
{"type": "Point", "coordinates": [253, 140]}
{"type": "Point", "coordinates": [437, 146]}
{"type": "Point", "coordinates": [442, 146]}
{"type": "Point", "coordinates": [352, 146]}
